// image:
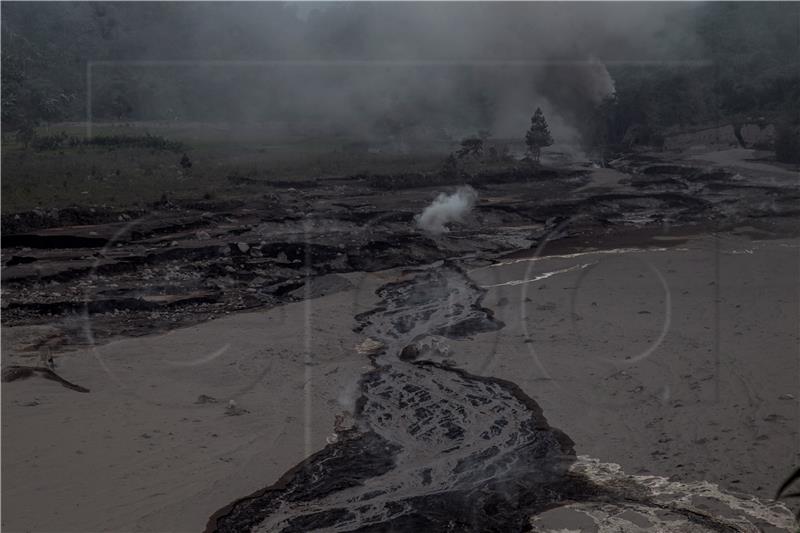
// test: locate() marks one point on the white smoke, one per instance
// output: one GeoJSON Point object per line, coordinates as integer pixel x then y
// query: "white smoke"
{"type": "Point", "coordinates": [447, 208]}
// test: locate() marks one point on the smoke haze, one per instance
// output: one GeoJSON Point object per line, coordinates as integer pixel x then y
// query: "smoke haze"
{"type": "Point", "coordinates": [394, 70]}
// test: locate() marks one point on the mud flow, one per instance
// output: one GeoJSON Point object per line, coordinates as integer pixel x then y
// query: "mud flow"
{"type": "Point", "coordinates": [433, 447]}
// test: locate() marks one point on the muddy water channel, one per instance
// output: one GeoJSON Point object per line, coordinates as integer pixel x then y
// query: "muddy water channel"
{"type": "Point", "coordinates": [434, 448]}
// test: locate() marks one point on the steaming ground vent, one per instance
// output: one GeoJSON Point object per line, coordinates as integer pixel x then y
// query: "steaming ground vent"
{"type": "Point", "coordinates": [447, 208]}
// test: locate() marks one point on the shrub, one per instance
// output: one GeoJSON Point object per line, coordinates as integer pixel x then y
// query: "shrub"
{"type": "Point", "coordinates": [48, 142]}
{"type": "Point", "coordinates": [152, 142]}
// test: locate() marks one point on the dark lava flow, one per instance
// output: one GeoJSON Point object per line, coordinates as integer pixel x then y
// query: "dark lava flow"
{"type": "Point", "coordinates": [434, 448]}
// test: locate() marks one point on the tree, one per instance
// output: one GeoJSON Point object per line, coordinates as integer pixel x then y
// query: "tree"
{"type": "Point", "coordinates": [538, 136]}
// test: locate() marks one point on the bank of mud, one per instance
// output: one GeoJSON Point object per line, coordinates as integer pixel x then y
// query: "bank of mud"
{"type": "Point", "coordinates": [120, 273]}
{"type": "Point", "coordinates": [436, 434]}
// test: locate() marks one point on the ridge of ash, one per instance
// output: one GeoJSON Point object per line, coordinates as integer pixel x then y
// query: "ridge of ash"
{"type": "Point", "coordinates": [17, 372]}
{"type": "Point", "coordinates": [434, 448]}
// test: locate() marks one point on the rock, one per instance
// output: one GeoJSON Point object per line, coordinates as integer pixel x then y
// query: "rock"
{"type": "Point", "coordinates": [234, 410]}
{"type": "Point", "coordinates": [243, 247]}
{"type": "Point", "coordinates": [370, 347]}
{"type": "Point", "coordinates": [431, 347]}
{"type": "Point", "coordinates": [202, 235]}
{"type": "Point", "coordinates": [204, 398]}
{"type": "Point", "coordinates": [409, 353]}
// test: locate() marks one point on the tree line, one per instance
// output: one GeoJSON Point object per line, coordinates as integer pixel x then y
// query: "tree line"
{"type": "Point", "coordinates": [751, 73]}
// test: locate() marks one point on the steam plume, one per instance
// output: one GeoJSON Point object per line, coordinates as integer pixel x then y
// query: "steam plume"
{"type": "Point", "coordinates": [447, 208]}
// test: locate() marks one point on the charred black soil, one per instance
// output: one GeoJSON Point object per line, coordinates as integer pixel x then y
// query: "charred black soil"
{"type": "Point", "coordinates": [133, 272]}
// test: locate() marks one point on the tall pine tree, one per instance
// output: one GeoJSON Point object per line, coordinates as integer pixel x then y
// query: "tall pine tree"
{"type": "Point", "coordinates": [538, 136]}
